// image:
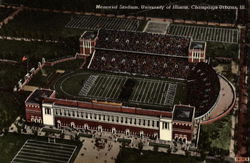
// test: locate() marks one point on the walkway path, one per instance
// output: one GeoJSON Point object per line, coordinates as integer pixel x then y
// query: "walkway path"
{"type": "Point", "coordinates": [29, 88]}
{"type": "Point", "coordinates": [231, 147]}
{"type": "Point", "coordinates": [226, 101]}
{"type": "Point", "coordinates": [26, 39]}
{"type": "Point", "coordinates": [8, 61]}
{"type": "Point", "coordinates": [89, 153]}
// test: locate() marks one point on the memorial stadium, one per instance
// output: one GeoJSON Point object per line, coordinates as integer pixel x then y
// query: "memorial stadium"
{"type": "Point", "coordinates": [152, 85]}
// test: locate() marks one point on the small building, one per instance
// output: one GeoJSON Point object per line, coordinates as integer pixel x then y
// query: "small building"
{"type": "Point", "coordinates": [197, 51]}
{"type": "Point", "coordinates": [33, 105]}
{"type": "Point", "coordinates": [87, 43]}
{"type": "Point", "coordinates": [183, 123]}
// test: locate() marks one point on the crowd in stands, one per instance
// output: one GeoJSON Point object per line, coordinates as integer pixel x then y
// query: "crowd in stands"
{"type": "Point", "coordinates": [204, 87]}
{"type": "Point", "coordinates": [202, 80]}
{"type": "Point", "coordinates": [149, 65]}
{"type": "Point", "coordinates": [143, 42]}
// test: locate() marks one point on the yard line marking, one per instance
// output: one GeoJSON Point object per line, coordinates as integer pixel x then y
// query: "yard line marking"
{"type": "Point", "coordinates": [96, 87]}
{"type": "Point", "coordinates": [116, 94]}
{"type": "Point", "coordinates": [145, 88]}
{"type": "Point", "coordinates": [155, 92]}
{"type": "Point", "coordinates": [163, 94]}
{"type": "Point", "coordinates": [114, 87]}
{"type": "Point", "coordinates": [160, 93]}
{"type": "Point", "coordinates": [107, 86]}
{"type": "Point", "coordinates": [103, 86]}
{"type": "Point", "coordinates": [149, 94]}
{"type": "Point", "coordinates": [146, 93]}
{"type": "Point", "coordinates": [139, 91]}
{"type": "Point", "coordinates": [135, 91]}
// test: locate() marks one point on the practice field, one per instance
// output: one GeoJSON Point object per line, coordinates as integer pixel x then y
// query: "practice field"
{"type": "Point", "coordinates": [42, 25]}
{"type": "Point", "coordinates": [156, 27]}
{"type": "Point", "coordinates": [34, 151]}
{"type": "Point", "coordinates": [97, 22]}
{"type": "Point", "coordinates": [106, 87]}
{"type": "Point", "coordinates": [205, 33]}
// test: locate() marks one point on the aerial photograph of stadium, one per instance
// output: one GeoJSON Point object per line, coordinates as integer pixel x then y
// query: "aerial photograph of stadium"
{"type": "Point", "coordinates": [124, 81]}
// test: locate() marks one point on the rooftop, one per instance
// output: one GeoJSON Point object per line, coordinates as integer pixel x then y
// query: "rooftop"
{"type": "Point", "coordinates": [38, 95]}
{"type": "Point", "coordinates": [142, 42]}
{"type": "Point", "coordinates": [198, 45]}
{"type": "Point", "coordinates": [89, 35]}
{"type": "Point", "coordinates": [183, 113]}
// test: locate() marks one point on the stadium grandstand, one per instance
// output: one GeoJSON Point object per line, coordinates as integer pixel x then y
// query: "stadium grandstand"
{"type": "Point", "coordinates": [143, 42]}
{"type": "Point", "coordinates": [141, 64]}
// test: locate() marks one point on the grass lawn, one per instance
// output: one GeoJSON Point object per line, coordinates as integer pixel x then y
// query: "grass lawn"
{"type": "Point", "coordinates": [128, 155]}
{"type": "Point", "coordinates": [51, 131]}
{"type": "Point", "coordinates": [4, 12]}
{"type": "Point", "coordinates": [74, 84]}
{"type": "Point", "coordinates": [42, 77]}
{"type": "Point", "coordinates": [42, 25]}
{"type": "Point", "coordinates": [80, 5]}
{"type": "Point", "coordinates": [10, 144]}
{"type": "Point", "coordinates": [48, 76]}
{"type": "Point", "coordinates": [69, 65]}
{"type": "Point", "coordinates": [85, 135]}
{"type": "Point", "coordinates": [11, 74]}
{"type": "Point", "coordinates": [35, 51]}
{"type": "Point", "coordinates": [222, 50]}
{"type": "Point", "coordinates": [11, 104]}
{"type": "Point", "coordinates": [215, 137]}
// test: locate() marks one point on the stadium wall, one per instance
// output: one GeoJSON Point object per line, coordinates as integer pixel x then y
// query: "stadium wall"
{"type": "Point", "coordinates": [232, 105]}
{"type": "Point", "coordinates": [105, 126]}
{"type": "Point", "coordinates": [106, 107]}
{"type": "Point", "coordinates": [203, 117]}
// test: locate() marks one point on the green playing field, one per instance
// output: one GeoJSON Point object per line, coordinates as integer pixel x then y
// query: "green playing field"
{"type": "Point", "coordinates": [147, 92]}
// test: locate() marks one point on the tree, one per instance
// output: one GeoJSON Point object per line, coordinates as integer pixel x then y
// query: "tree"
{"type": "Point", "coordinates": [156, 148]}
{"type": "Point", "coordinates": [140, 146]}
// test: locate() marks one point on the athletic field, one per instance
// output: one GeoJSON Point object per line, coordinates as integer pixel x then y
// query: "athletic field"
{"type": "Point", "coordinates": [34, 151]}
{"type": "Point", "coordinates": [96, 22]}
{"type": "Point", "coordinates": [106, 87]}
{"type": "Point", "coordinates": [205, 33]}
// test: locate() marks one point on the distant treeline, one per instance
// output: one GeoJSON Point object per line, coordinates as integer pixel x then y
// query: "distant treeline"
{"type": "Point", "coordinates": [225, 16]}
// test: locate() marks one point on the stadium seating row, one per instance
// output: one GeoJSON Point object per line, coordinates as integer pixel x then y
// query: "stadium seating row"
{"type": "Point", "coordinates": [204, 88]}
{"type": "Point", "coordinates": [143, 42]}
{"type": "Point", "coordinates": [149, 65]}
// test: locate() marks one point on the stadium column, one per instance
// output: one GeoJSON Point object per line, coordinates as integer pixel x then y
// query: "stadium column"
{"type": "Point", "coordinates": [115, 119]}
{"type": "Point", "coordinates": [48, 114]}
{"type": "Point", "coordinates": [165, 132]}
{"type": "Point", "coordinates": [133, 120]}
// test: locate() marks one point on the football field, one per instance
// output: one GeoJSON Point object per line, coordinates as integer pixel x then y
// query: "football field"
{"type": "Point", "coordinates": [106, 87]}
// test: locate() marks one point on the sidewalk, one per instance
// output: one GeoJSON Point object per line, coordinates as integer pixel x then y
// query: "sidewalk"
{"type": "Point", "coordinates": [89, 153]}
